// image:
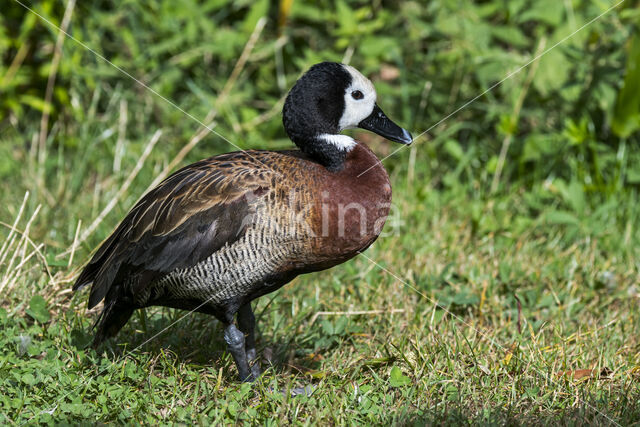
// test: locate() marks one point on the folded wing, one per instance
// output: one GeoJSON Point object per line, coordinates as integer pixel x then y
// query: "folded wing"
{"type": "Point", "coordinates": [184, 220]}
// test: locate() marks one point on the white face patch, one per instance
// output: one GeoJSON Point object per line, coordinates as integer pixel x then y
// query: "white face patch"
{"type": "Point", "coordinates": [343, 142]}
{"type": "Point", "coordinates": [356, 110]}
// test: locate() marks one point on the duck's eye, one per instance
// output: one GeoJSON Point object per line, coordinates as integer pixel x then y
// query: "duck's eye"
{"type": "Point", "coordinates": [356, 94]}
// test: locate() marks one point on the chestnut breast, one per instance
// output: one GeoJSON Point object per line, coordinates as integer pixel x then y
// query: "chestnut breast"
{"type": "Point", "coordinates": [349, 210]}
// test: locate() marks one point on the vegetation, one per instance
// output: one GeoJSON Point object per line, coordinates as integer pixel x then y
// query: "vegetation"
{"type": "Point", "coordinates": [505, 288]}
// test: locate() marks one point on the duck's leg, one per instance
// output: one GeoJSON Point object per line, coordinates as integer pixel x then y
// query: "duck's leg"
{"type": "Point", "coordinates": [247, 324]}
{"type": "Point", "coordinates": [235, 343]}
{"type": "Point", "coordinates": [243, 349]}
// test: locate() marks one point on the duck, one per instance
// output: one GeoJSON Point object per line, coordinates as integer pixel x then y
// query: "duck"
{"type": "Point", "coordinates": [221, 232]}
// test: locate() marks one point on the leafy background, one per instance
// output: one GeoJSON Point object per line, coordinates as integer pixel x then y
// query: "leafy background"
{"type": "Point", "coordinates": [529, 192]}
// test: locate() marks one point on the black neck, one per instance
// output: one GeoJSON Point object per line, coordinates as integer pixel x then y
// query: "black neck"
{"type": "Point", "coordinates": [303, 129]}
{"type": "Point", "coordinates": [325, 153]}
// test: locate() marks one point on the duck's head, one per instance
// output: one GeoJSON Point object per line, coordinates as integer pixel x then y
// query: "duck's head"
{"type": "Point", "coordinates": [327, 99]}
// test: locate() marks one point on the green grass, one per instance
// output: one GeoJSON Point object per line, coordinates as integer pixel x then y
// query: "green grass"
{"type": "Point", "coordinates": [460, 360]}
{"type": "Point", "coordinates": [444, 339]}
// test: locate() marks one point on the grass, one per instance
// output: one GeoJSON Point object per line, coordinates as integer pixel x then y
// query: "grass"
{"type": "Point", "coordinates": [505, 286]}
{"type": "Point", "coordinates": [458, 351]}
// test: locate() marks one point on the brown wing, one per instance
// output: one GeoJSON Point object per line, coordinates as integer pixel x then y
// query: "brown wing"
{"type": "Point", "coordinates": [184, 220]}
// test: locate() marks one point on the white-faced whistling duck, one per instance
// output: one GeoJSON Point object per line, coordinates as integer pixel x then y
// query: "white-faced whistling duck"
{"type": "Point", "coordinates": [224, 231]}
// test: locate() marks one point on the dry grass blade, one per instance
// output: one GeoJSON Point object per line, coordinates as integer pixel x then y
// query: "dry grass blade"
{"type": "Point", "coordinates": [354, 313]}
{"type": "Point", "coordinates": [122, 127]}
{"type": "Point", "coordinates": [114, 200]}
{"type": "Point", "coordinates": [9, 240]}
{"type": "Point", "coordinates": [51, 82]}
{"type": "Point", "coordinates": [224, 93]}
{"type": "Point", "coordinates": [13, 267]}
{"type": "Point", "coordinates": [74, 246]}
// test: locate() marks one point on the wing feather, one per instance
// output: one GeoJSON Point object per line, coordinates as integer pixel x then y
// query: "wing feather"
{"type": "Point", "coordinates": [189, 216]}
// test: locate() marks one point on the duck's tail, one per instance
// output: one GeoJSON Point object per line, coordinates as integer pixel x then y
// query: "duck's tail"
{"type": "Point", "coordinates": [111, 320]}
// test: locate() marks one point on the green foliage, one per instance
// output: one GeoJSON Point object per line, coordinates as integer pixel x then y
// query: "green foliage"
{"type": "Point", "coordinates": [186, 50]}
{"type": "Point", "coordinates": [38, 309]}
{"type": "Point", "coordinates": [626, 118]}
{"type": "Point", "coordinates": [397, 378]}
